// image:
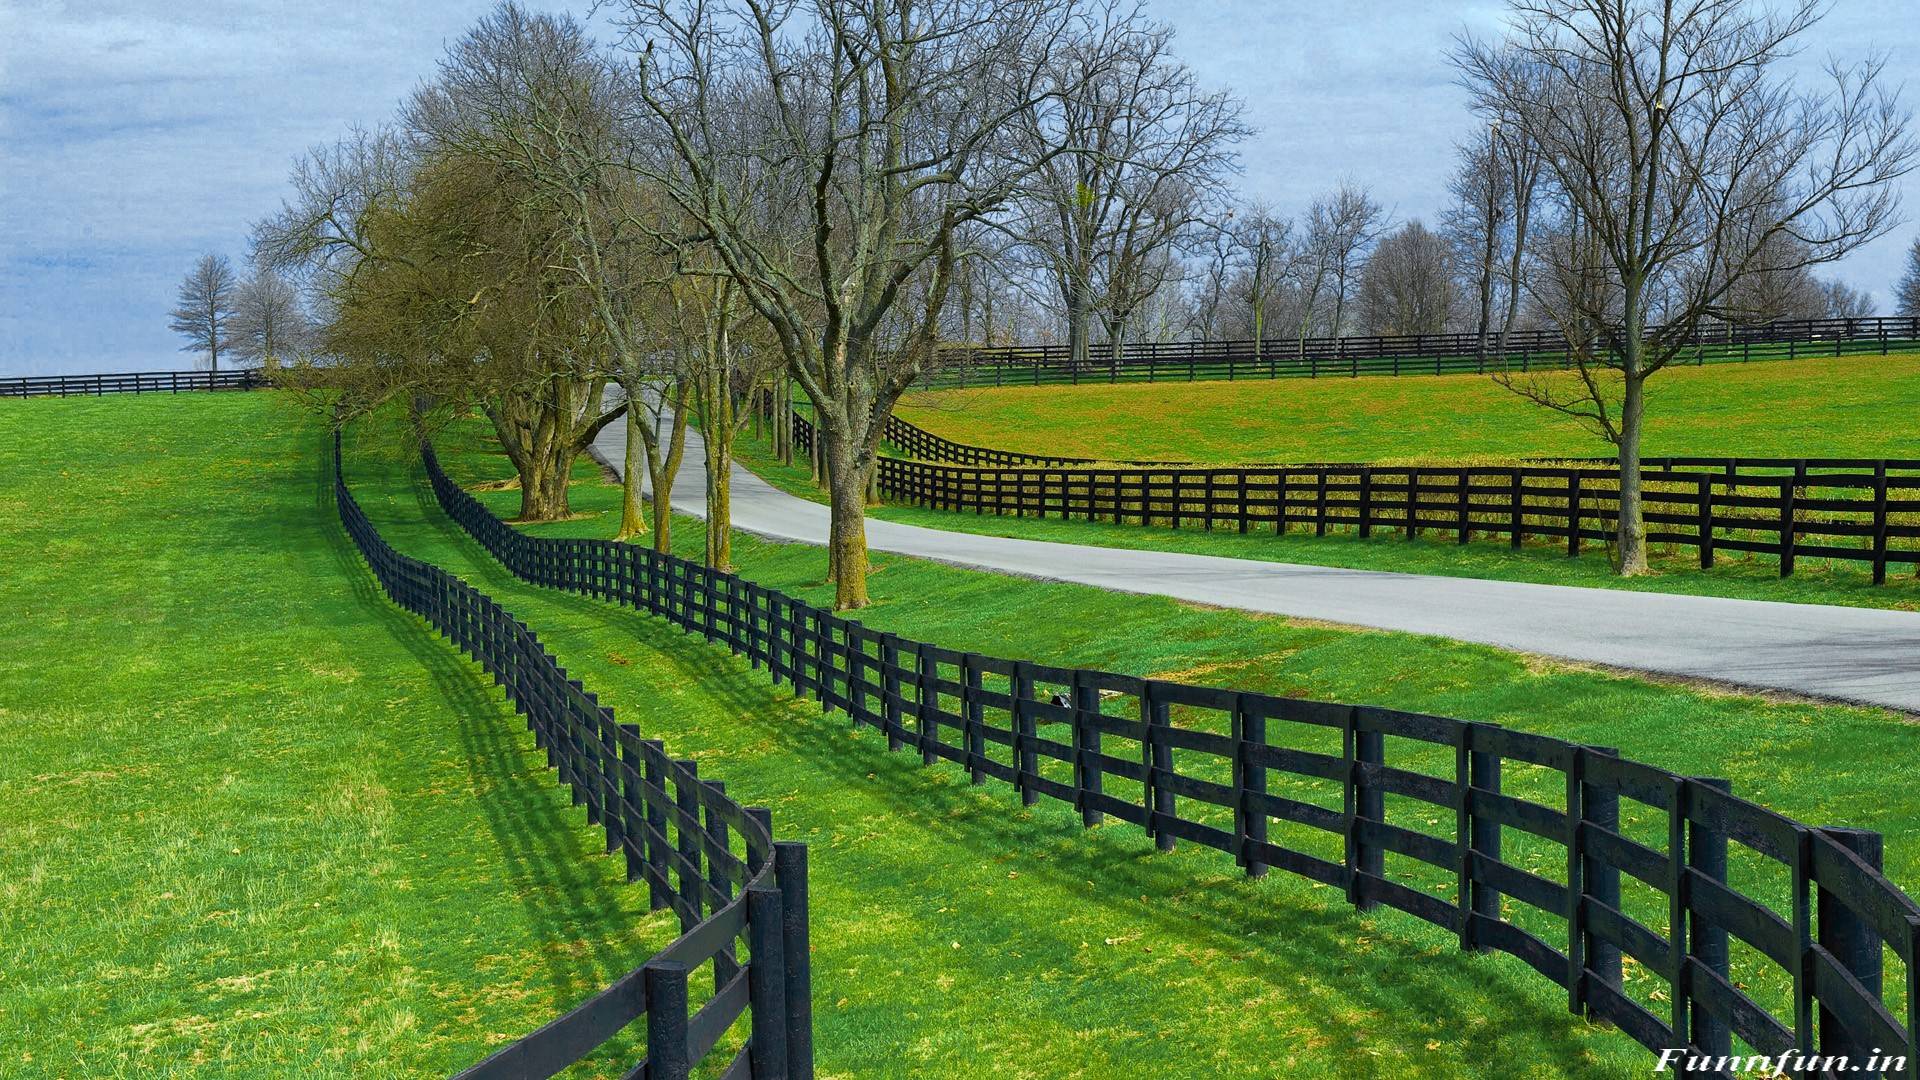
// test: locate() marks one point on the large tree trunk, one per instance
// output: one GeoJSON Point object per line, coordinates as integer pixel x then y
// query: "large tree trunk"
{"type": "Point", "coordinates": [847, 534]}
{"type": "Point", "coordinates": [1633, 527]}
{"type": "Point", "coordinates": [719, 503]}
{"type": "Point", "coordinates": [543, 486]}
{"type": "Point", "coordinates": [633, 520]}
{"type": "Point", "coordinates": [1079, 321]}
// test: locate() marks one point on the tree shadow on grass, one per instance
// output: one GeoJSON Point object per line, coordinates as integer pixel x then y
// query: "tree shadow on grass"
{"type": "Point", "coordinates": [1276, 931]}
{"type": "Point", "coordinates": [561, 876]}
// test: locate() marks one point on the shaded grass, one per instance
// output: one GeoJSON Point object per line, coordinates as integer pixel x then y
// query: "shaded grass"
{"type": "Point", "coordinates": [1844, 407]}
{"type": "Point", "coordinates": [254, 819]}
{"type": "Point", "coordinates": [1348, 985]}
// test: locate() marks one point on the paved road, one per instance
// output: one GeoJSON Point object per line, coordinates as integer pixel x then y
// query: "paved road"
{"type": "Point", "coordinates": [1850, 654]}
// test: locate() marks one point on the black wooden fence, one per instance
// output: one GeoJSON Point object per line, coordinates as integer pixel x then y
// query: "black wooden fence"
{"type": "Point", "coordinates": [1747, 930]}
{"type": "Point", "coordinates": [1864, 510]}
{"type": "Point", "coordinates": [132, 382]}
{"type": "Point", "coordinates": [711, 860]}
{"type": "Point", "coordinates": [1425, 354]}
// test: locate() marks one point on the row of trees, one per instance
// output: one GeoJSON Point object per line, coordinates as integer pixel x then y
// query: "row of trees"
{"type": "Point", "coordinates": [257, 321]}
{"type": "Point", "coordinates": [726, 199]}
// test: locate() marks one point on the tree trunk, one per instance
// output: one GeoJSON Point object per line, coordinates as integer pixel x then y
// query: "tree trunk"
{"type": "Point", "coordinates": [633, 520]}
{"type": "Point", "coordinates": [719, 503]}
{"type": "Point", "coordinates": [1078, 318]}
{"type": "Point", "coordinates": [1633, 527]}
{"type": "Point", "coordinates": [847, 534]}
{"type": "Point", "coordinates": [543, 486]}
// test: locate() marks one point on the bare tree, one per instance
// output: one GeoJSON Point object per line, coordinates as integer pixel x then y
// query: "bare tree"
{"type": "Point", "coordinates": [1670, 136]}
{"type": "Point", "coordinates": [831, 153]}
{"type": "Point", "coordinates": [1131, 162]}
{"type": "Point", "coordinates": [1906, 295]}
{"type": "Point", "coordinates": [1475, 223]}
{"type": "Point", "coordinates": [1407, 285]}
{"type": "Point", "coordinates": [1262, 242]}
{"type": "Point", "coordinates": [1340, 230]}
{"type": "Point", "coordinates": [1843, 301]}
{"type": "Point", "coordinates": [269, 323]}
{"type": "Point", "coordinates": [204, 311]}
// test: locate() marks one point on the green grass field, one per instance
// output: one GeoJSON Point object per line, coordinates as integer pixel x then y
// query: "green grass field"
{"type": "Point", "coordinates": [409, 884]}
{"type": "Point", "coordinates": [254, 820]}
{"type": "Point", "coordinates": [1777, 752]}
{"type": "Point", "coordinates": [1854, 407]}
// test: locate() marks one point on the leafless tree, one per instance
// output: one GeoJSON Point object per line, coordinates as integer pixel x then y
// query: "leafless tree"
{"type": "Point", "coordinates": [1668, 132]}
{"type": "Point", "coordinates": [269, 322]}
{"type": "Point", "coordinates": [1340, 229]}
{"type": "Point", "coordinates": [1132, 161]}
{"type": "Point", "coordinates": [1843, 301]}
{"type": "Point", "coordinates": [873, 132]}
{"type": "Point", "coordinates": [1906, 295]}
{"type": "Point", "coordinates": [204, 311]}
{"type": "Point", "coordinates": [1263, 256]}
{"type": "Point", "coordinates": [1407, 285]}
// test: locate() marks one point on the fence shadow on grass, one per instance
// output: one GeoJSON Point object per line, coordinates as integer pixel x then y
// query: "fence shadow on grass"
{"type": "Point", "coordinates": [1751, 926]}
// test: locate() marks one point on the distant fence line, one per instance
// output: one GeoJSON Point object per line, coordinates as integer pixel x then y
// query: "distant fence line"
{"type": "Point", "coordinates": [1421, 354]}
{"type": "Point", "coordinates": [132, 382]}
{"type": "Point", "coordinates": [1790, 508]}
{"type": "Point", "coordinates": [1565, 856]}
{"type": "Point", "coordinates": [734, 881]}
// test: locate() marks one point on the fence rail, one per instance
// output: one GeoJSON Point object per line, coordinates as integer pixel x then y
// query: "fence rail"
{"type": "Point", "coordinates": [1747, 929]}
{"type": "Point", "coordinates": [131, 382]}
{"type": "Point", "coordinates": [711, 860]}
{"type": "Point", "coordinates": [1864, 510]}
{"type": "Point", "coordinates": [1425, 354]}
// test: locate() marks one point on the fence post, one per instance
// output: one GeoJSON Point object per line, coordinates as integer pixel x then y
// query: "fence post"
{"type": "Point", "coordinates": [1705, 525]}
{"type": "Point", "coordinates": [1880, 523]}
{"type": "Point", "coordinates": [687, 802]}
{"type": "Point", "coordinates": [1852, 941]}
{"type": "Point", "coordinates": [1366, 503]}
{"type": "Point", "coordinates": [1707, 943]}
{"type": "Point", "coordinates": [972, 712]}
{"type": "Point", "coordinates": [1518, 493]}
{"type": "Point", "coordinates": [1320, 505]}
{"type": "Point", "coordinates": [666, 988]}
{"type": "Point", "coordinates": [766, 983]}
{"type": "Point", "coordinates": [1599, 808]}
{"type": "Point", "coordinates": [1158, 760]}
{"type": "Point", "coordinates": [890, 690]}
{"type": "Point", "coordinates": [1026, 760]}
{"type": "Point", "coordinates": [790, 874]}
{"type": "Point", "coordinates": [1480, 840]}
{"type": "Point", "coordinates": [1365, 750]}
{"type": "Point", "coordinates": [927, 721]}
{"type": "Point", "coordinates": [1787, 492]}
{"type": "Point", "coordinates": [1086, 748]}
{"type": "Point", "coordinates": [1249, 785]}
{"type": "Point", "coordinates": [1413, 503]}
{"type": "Point", "coordinates": [1573, 513]}
{"type": "Point", "coordinates": [1466, 507]}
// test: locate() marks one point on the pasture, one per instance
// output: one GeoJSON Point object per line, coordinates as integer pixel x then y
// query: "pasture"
{"type": "Point", "coordinates": [1861, 406]}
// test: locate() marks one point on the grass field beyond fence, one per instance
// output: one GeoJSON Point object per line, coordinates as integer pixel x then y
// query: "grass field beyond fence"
{"type": "Point", "coordinates": [1851, 407]}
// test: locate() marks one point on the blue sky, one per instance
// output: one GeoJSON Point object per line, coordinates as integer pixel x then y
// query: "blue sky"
{"type": "Point", "coordinates": [133, 137]}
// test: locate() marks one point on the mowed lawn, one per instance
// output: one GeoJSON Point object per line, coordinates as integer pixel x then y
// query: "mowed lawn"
{"type": "Point", "coordinates": [957, 934]}
{"type": "Point", "coordinates": [255, 820]}
{"type": "Point", "coordinates": [1861, 406]}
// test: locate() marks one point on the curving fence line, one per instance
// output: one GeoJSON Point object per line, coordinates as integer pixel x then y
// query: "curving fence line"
{"type": "Point", "coordinates": [1748, 931]}
{"type": "Point", "coordinates": [711, 860]}
{"type": "Point", "coordinates": [1860, 510]}
{"type": "Point", "coordinates": [1421, 354]}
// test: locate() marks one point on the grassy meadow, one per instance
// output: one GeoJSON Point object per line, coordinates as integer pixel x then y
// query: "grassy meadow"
{"type": "Point", "coordinates": [256, 821]}
{"type": "Point", "coordinates": [1858, 406]}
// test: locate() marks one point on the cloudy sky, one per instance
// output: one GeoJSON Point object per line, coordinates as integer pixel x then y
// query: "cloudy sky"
{"type": "Point", "coordinates": [133, 137]}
